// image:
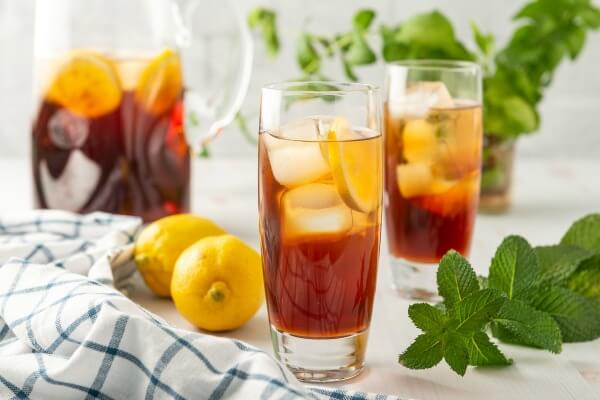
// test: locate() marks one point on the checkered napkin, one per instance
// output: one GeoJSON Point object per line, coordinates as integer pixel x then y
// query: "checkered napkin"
{"type": "Point", "coordinates": [65, 333]}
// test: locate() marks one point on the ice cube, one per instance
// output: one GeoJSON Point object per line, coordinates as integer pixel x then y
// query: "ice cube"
{"type": "Point", "coordinates": [414, 179]}
{"type": "Point", "coordinates": [73, 188]}
{"type": "Point", "coordinates": [295, 153]}
{"type": "Point", "coordinates": [420, 97]}
{"type": "Point", "coordinates": [419, 141]}
{"type": "Point", "coordinates": [67, 130]}
{"type": "Point", "coordinates": [315, 210]}
{"type": "Point", "coordinates": [419, 179]}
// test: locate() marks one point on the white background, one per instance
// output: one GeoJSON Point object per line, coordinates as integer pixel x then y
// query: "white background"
{"type": "Point", "coordinates": [570, 110]}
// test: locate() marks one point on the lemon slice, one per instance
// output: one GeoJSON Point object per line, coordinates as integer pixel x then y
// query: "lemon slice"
{"type": "Point", "coordinates": [86, 84]}
{"type": "Point", "coordinates": [351, 162]}
{"type": "Point", "coordinates": [160, 83]}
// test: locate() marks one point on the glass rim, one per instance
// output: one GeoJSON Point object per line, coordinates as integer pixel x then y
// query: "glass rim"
{"type": "Point", "coordinates": [342, 87]}
{"type": "Point", "coordinates": [436, 64]}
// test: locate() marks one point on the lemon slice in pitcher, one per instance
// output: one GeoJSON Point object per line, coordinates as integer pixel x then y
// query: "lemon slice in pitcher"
{"type": "Point", "coordinates": [160, 83]}
{"type": "Point", "coordinates": [87, 84]}
{"type": "Point", "coordinates": [351, 160]}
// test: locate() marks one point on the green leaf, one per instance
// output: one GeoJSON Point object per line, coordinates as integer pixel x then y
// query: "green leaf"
{"type": "Point", "coordinates": [528, 326]}
{"type": "Point", "coordinates": [204, 152]}
{"type": "Point", "coordinates": [348, 71]}
{"type": "Point", "coordinates": [425, 352]}
{"type": "Point", "coordinates": [432, 29]}
{"type": "Point", "coordinates": [266, 20]}
{"type": "Point", "coordinates": [586, 280]}
{"type": "Point", "coordinates": [482, 352]}
{"type": "Point", "coordinates": [520, 114]}
{"type": "Point", "coordinates": [576, 316]}
{"type": "Point", "coordinates": [359, 52]}
{"type": "Point", "coordinates": [427, 318]}
{"type": "Point", "coordinates": [558, 262]}
{"type": "Point", "coordinates": [514, 266]}
{"type": "Point", "coordinates": [363, 19]}
{"type": "Point", "coordinates": [575, 41]}
{"type": "Point", "coordinates": [591, 17]}
{"type": "Point", "coordinates": [484, 42]}
{"type": "Point", "coordinates": [455, 278]}
{"type": "Point", "coordinates": [476, 310]}
{"type": "Point", "coordinates": [456, 353]}
{"type": "Point", "coordinates": [395, 51]}
{"type": "Point", "coordinates": [584, 233]}
{"type": "Point", "coordinates": [306, 55]}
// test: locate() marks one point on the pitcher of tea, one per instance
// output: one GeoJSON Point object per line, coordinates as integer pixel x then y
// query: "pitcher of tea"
{"type": "Point", "coordinates": [125, 91]}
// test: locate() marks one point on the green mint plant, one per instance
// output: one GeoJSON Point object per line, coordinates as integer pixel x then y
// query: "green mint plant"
{"type": "Point", "coordinates": [547, 32]}
{"type": "Point", "coordinates": [538, 297]}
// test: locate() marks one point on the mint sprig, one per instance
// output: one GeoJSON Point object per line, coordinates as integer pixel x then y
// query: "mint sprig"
{"type": "Point", "coordinates": [538, 297]}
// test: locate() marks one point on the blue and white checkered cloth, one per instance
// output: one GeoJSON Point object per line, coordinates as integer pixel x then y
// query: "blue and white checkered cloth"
{"type": "Point", "coordinates": [65, 333]}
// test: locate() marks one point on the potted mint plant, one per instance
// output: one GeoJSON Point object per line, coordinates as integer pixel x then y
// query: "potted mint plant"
{"type": "Point", "coordinates": [515, 76]}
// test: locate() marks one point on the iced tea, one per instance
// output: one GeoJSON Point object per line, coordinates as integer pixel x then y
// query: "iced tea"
{"type": "Point", "coordinates": [320, 226]}
{"type": "Point", "coordinates": [108, 135]}
{"type": "Point", "coordinates": [432, 181]}
{"type": "Point", "coordinates": [433, 145]}
{"type": "Point", "coordinates": [320, 196]}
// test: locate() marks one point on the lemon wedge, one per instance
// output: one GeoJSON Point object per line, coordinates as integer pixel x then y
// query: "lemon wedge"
{"type": "Point", "coordinates": [352, 163]}
{"type": "Point", "coordinates": [160, 83]}
{"type": "Point", "coordinates": [86, 84]}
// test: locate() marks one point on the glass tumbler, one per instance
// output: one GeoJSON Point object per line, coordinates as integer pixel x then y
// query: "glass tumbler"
{"type": "Point", "coordinates": [320, 195]}
{"type": "Point", "coordinates": [433, 141]}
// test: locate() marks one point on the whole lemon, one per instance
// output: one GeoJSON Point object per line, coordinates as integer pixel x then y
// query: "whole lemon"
{"type": "Point", "coordinates": [160, 243]}
{"type": "Point", "coordinates": [217, 283]}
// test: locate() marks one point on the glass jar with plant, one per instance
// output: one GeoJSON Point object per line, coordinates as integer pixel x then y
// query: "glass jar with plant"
{"type": "Point", "coordinates": [547, 32]}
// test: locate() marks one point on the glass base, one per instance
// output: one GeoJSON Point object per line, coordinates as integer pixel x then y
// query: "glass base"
{"type": "Point", "coordinates": [413, 280]}
{"type": "Point", "coordinates": [321, 360]}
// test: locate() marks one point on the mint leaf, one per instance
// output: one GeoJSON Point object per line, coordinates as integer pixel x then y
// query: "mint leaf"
{"type": "Point", "coordinates": [359, 52]}
{"type": "Point", "coordinates": [362, 19]}
{"type": "Point", "coordinates": [456, 279]}
{"type": "Point", "coordinates": [484, 42]}
{"type": "Point", "coordinates": [586, 280]}
{"type": "Point", "coordinates": [427, 318]}
{"type": "Point", "coordinates": [584, 233]}
{"type": "Point", "coordinates": [482, 352]}
{"type": "Point", "coordinates": [307, 56]}
{"type": "Point", "coordinates": [266, 21]}
{"type": "Point", "coordinates": [528, 326]}
{"type": "Point", "coordinates": [514, 266]}
{"type": "Point", "coordinates": [558, 262]}
{"type": "Point", "coordinates": [425, 352]}
{"type": "Point", "coordinates": [456, 353]}
{"type": "Point", "coordinates": [475, 311]}
{"type": "Point", "coordinates": [576, 316]}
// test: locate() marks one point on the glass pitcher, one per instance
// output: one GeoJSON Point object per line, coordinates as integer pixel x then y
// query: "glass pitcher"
{"type": "Point", "coordinates": [124, 91]}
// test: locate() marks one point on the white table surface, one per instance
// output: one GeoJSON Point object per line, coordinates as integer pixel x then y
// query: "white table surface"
{"type": "Point", "coordinates": [548, 196]}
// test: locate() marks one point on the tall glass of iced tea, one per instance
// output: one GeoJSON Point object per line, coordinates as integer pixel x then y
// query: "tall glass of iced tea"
{"type": "Point", "coordinates": [120, 85]}
{"type": "Point", "coordinates": [433, 142]}
{"type": "Point", "coordinates": [320, 195]}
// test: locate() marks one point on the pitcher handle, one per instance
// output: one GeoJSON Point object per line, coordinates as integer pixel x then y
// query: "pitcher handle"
{"type": "Point", "coordinates": [208, 112]}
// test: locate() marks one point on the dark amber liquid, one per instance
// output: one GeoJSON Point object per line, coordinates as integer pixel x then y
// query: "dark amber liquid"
{"type": "Point", "coordinates": [424, 234]}
{"type": "Point", "coordinates": [318, 287]}
{"type": "Point", "coordinates": [142, 160]}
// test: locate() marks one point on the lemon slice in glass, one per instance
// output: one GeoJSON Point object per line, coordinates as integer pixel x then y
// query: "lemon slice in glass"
{"type": "Point", "coordinates": [160, 83]}
{"type": "Point", "coordinates": [87, 84]}
{"type": "Point", "coordinates": [351, 160]}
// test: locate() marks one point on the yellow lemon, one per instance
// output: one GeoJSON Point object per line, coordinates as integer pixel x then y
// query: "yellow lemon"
{"type": "Point", "coordinates": [351, 158]}
{"type": "Point", "coordinates": [217, 283]}
{"type": "Point", "coordinates": [87, 83]}
{"type": "Point", "coordinates": [160, 83]}
{"type": "Point", "coordinates": [160, 243]}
